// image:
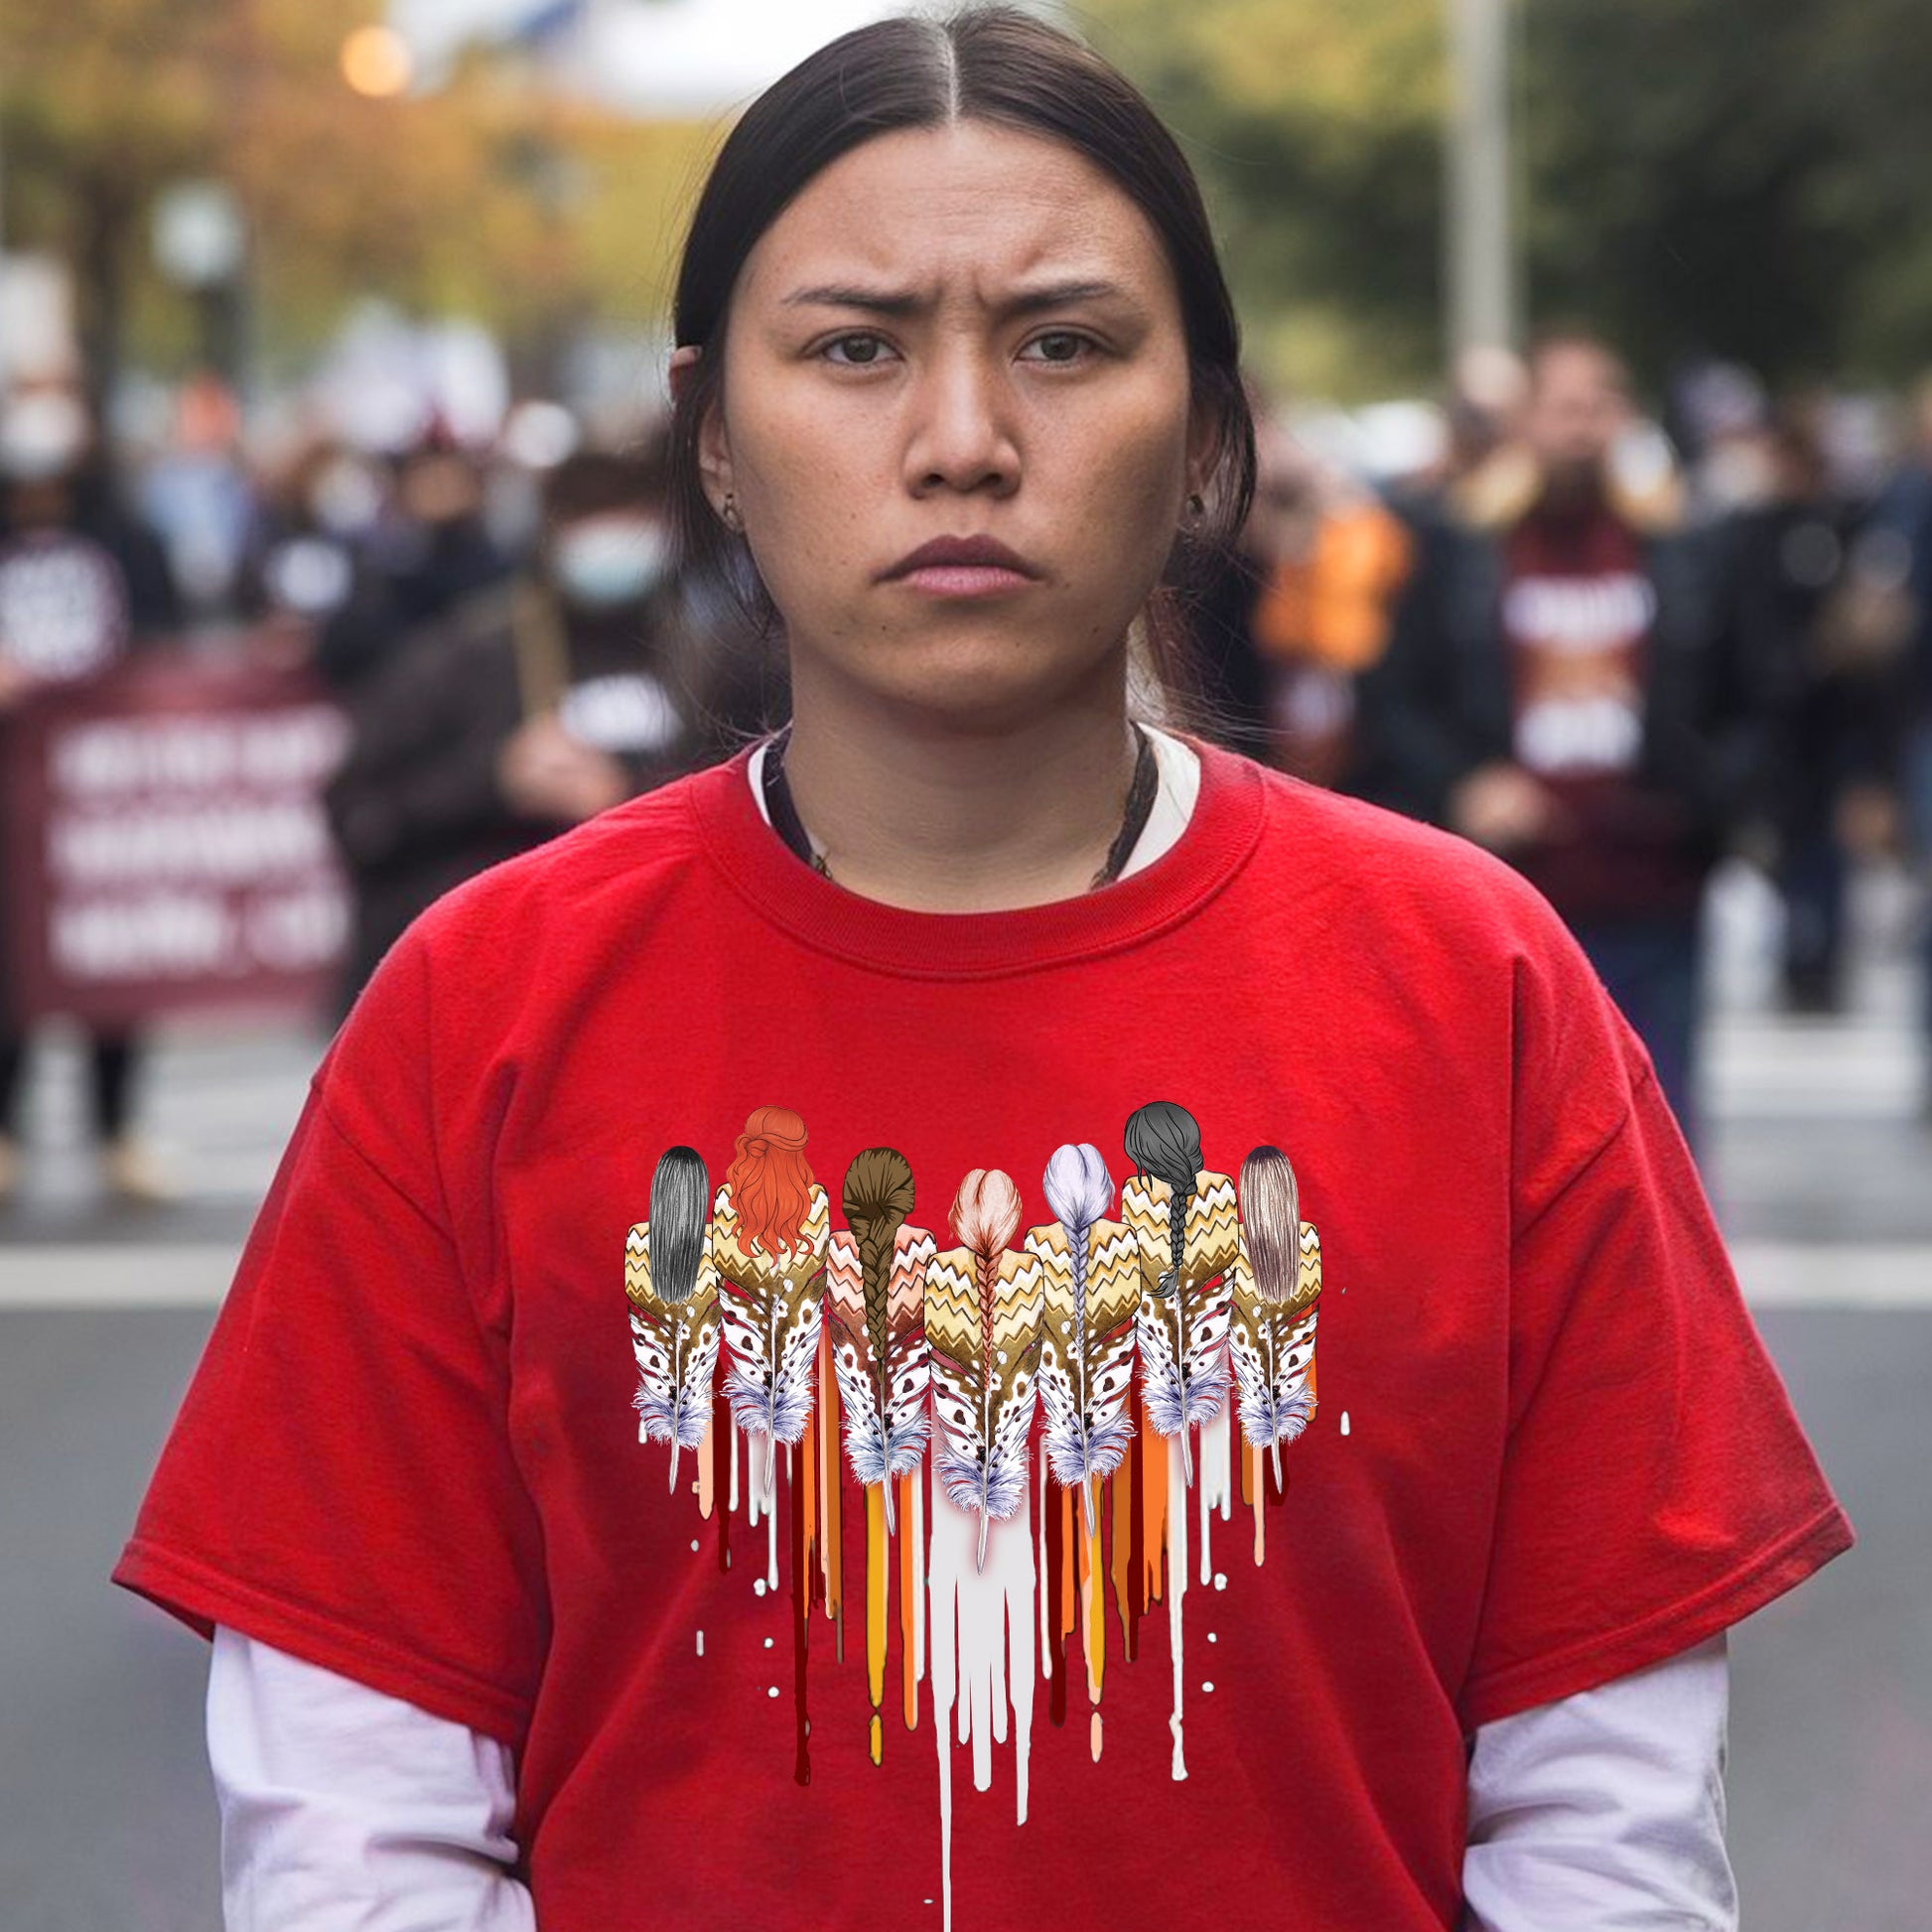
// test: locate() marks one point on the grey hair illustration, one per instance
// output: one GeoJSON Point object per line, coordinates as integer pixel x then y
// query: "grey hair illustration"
{"type": "Point", "coordinates": [680, 1209]}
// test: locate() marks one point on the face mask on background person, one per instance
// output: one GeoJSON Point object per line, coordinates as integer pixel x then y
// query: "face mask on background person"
{"type": "Point", "coordinates": [43, 436]}
{"type": "Point", "coordinates": [345, 498]}
{"type": "Point", "coordinates": [604, 562]}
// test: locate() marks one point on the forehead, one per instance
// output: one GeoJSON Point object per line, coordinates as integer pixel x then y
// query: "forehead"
{"type": "Point", "coordinates": [963, 209]}
{"type": "Point", "coordinates": [1565, 368]}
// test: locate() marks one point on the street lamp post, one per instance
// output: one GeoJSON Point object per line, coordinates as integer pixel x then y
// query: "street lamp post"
{"type": "Point", "coordinates": [1479, 260]}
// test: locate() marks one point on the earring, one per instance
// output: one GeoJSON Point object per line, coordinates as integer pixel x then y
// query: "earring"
{"type": "Point", "coordinates": [1197, 504]}
{"type": "Point", "coordinates": [732, 519]}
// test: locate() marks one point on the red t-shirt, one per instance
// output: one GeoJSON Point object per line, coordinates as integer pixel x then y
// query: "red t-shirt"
{"type": "Point", "coordinates": [1548, 1447]}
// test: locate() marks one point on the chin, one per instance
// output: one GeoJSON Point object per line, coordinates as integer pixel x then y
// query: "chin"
{"type": "Point", "coordinates": [984, 676]}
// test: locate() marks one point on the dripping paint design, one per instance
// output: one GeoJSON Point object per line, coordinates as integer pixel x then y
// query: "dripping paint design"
{"type": "Point", "coordinates": [1112, 1386]}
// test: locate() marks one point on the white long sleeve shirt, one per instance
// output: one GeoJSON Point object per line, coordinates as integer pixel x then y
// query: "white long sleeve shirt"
{"type": "Point", "coordinates": [346, 1810]}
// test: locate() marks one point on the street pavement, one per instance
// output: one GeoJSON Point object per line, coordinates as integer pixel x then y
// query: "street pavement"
{"type": "Point", "coordinates": [1817, 1160]}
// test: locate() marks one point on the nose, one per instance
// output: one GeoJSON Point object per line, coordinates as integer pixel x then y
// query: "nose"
{"type": "Point", "coordinates": [961, 433]}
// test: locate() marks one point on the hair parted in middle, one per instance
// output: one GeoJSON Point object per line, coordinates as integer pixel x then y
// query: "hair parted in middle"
{"type": "Point", "coordinates": [680, 1212]}
{"type": "Point", "coordinates": [999, 66]}
{"type": "Point", "coordinates": [1271, 1223]}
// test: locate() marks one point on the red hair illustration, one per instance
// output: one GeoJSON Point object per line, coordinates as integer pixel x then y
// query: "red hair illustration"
{"type": "Point", "coordinates": [770, 1180]}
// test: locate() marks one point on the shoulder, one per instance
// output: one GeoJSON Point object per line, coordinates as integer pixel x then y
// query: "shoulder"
{"type": "Point", "coordinates": [1390, 927]}
{"type": "Point", "coordinates": [1333, 857]}
{"type": "Point", "coordinates": [512, 952]}
{"type": "Point", "coordinates": [611, 868]}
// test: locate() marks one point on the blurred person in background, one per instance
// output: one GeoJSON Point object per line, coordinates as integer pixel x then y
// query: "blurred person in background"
{"type": "Point", "coordinates": [531, 707]}
{"type": "Point", "coordinates": [1337, 559]}
{"type": "Point", "coordinates": [306, 569]}
{"type": "Point", "coordinates": [427, 551]}
{"type": "Point", "coordinates": [1819, 611]}
{"type": "Point", "coordinates": [1488, 392]}
{"type": "Point", "coordinates": [81, 583]}
{"type": "Point", "coordinates": [1901, 554]}
{"type": "Point", "coordinates": [198, 497]}
{"type": "Point", "coordinates": [1560, 688]}
{"type": "Point", "coordinates": [1299, 609]}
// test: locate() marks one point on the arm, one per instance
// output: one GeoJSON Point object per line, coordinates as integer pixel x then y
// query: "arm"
{"type": "Point", "coordinates": [1606, 1809]}
{"type": "Point", "coordinates": [342, 1807]}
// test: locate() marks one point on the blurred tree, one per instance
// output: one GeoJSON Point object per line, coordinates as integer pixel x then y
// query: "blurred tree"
{"type": "Point", "coordinates": [489, 197]}
{"type": "Point", "coordinates": [1723, 177]}
{"type": "Point", "coordinates": [1316, 130]}
{"type": "Point", "coordinates": [1696, 176]}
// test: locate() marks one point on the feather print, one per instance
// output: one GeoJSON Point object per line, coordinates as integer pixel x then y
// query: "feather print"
{"type": "Point", "coordinates": [1182, 1327]}
{"type": "Point", "coordinates": [676, 1348]}
{"type": "Point", "coordinates": [879, 1353]}
{"type": "Point", "coordinates": [984, 1335]}
{"type": "Point", "coordinates": [1271, 1348]}
{"type": "Point", "coordinates": [772, 1308]}
{"type": "Point", "coordinates": [1091, 1295]}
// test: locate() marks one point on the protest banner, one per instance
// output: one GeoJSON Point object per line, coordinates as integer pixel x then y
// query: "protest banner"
{"type": "Point", "coordinates": [164, 846]}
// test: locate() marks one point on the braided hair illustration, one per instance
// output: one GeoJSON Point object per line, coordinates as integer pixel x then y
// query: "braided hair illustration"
{"type": "Point", "coordinates": [1163, 1138]}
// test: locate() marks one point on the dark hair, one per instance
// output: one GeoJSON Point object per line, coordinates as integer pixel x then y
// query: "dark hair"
{"type": "Point", "coordinates": [999, 66]}
{"type": "Point", "coordinates": [1164, 1139]}
{"type": "Point", "coordinates": [877, 1198]}
{"type": "Point", "coordinates": [680, 1209]}
{"type": "Point", "coordinates": [590, 481]}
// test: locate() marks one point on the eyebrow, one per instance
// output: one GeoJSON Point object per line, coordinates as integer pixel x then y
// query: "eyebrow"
{"type": "Point", "coordinates": [893, 301]}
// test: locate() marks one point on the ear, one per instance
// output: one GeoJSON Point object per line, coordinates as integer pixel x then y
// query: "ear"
{"type": "Point", "coordinates": [714, 445]}
{"type": "Point", "coordinates": [1203, 435]}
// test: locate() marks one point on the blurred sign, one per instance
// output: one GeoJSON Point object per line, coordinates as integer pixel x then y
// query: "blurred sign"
{"type": "Point", "coordinates": [164, 845]}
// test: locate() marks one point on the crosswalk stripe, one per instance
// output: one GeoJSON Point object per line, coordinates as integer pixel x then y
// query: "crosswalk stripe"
{"type": "Point", "coordinates": [117, 1275]}
{"type": "Point", "coordinates": [129, 1275]}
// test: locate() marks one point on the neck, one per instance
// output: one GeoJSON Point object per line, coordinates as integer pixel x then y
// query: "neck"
{"type": "Point", "coordinates": [948, 814]}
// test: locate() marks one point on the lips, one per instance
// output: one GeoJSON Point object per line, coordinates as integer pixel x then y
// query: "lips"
{"type": "Point", "coordinates": [963, 554]}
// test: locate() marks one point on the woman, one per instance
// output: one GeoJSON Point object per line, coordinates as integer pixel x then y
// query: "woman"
{"type": "Point", "coordinates": [959, 376]}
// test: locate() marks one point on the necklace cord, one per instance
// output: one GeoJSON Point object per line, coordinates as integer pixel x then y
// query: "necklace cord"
{"type": "Point", "coordinates": [1141, 791]}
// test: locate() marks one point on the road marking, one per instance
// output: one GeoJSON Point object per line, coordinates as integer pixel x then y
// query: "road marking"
{"type": "Point", "coordinates": [1773, 1068]}
{"type": "Point", "coordinates": [151, 1275]}
{"type": "Point", "coordinates": [1838, 1274]}
{"type": "Point", "coordinates": [117, 1275]}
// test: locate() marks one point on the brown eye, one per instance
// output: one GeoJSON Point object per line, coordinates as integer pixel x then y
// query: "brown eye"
{"type": "Point", "coordinates": [1061, 345]}
{"type": "Point", "coordinates": [860, 351]}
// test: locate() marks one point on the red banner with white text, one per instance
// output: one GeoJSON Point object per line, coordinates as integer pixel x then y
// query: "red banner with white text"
{"type": "Point", "coordinates": [164, 844]}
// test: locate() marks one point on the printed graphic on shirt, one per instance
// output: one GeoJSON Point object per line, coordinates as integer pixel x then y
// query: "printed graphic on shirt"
{"type": "Point", "coordinates": [1187, 1266]}
{"type": "Point", "coordinates": [769, 1226]}
{"type": "Point", "coordinates": [1092, 1297]}
{"type": "Point", "coordinates": [1276, 1297]}
{"type": "Point", "coordinates": [672, 1289]}
{"type": "Point", "coordinates": [877, 1339]}
{"type": "Point", "coordinates": [984, 1307]}
{"type": "Point", "coordinates": [1578, 642]}
{"type": "Point", "coordinates": [875, 1307]}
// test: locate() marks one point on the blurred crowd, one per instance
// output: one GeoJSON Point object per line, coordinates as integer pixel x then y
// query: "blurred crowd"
{"type": "Point", "coordinates": [1614, 647]}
